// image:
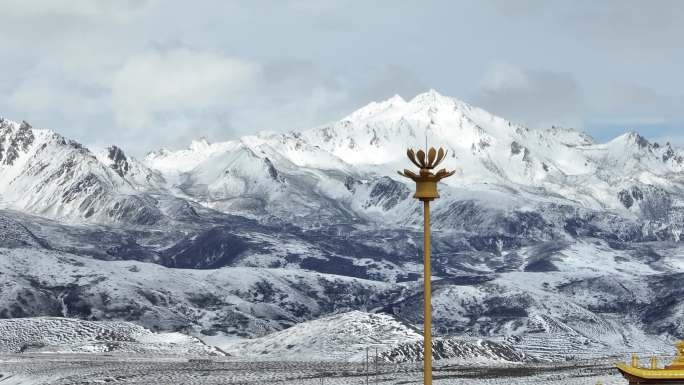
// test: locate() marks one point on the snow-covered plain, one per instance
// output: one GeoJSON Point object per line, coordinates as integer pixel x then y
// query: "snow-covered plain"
{"type": "Point", "coordinates": [78, 369]}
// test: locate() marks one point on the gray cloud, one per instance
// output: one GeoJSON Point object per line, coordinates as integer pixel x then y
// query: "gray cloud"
{"type": "Point", "coordinates": [628, 28]}
{"type": "Point", "coordinates": [630, 23]}
{"type": "Point", "coordinates": [533, 97]}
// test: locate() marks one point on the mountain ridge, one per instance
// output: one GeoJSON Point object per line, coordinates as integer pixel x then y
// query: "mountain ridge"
{"type": "Point", "coordinates": [371, 142]}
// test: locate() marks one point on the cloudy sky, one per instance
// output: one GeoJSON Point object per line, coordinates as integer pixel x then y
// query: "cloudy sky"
{"type": "Point", "coordinates": [151, 73]}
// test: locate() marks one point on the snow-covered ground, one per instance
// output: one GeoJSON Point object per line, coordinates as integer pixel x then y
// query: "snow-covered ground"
{"type": "Point", "coordinates": [78, 369]}
{"type": "Point", "coordinates": [331, 350]}
{"type": "Point", "coordinates": [65, 335]}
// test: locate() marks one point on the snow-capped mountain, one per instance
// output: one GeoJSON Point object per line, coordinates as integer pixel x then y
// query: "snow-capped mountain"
{"type": "Point", "coordinates": [41, 172]}
{"type": "Point", "coordinates": [346, 170]}
{"type": "Point", "coordinates": [542, 235]}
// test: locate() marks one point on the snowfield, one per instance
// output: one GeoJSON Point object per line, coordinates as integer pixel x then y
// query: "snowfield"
{"type": "Point", "coordinates": [63, 335]}
{"type": "Point", "coordinates": [78, 369]}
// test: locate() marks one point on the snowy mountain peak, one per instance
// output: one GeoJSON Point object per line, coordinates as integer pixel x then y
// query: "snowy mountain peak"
{"type": "Point", "coordinates": [200, 144]}
{"type": "Point", "coordinates": [633, 144]}
{"type": "Point", "coordinates": [43, 173]}
{"type": "Point", "coordinates": [639, 140]}
{"type": "Point", "coordinates": [396, 99]}
{"type": "Point", "coordinates": [396, 107]}
{"type": "Point", "coordinates": [432, 98]}
{"type": "Point", "coordinates": [15, 139]}
{"type": "Point", "coordinates": [375, 108]}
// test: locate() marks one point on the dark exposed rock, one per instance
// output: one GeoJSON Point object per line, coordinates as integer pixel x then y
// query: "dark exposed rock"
{"type": "Point", "coordinates": [626, 198]}
{"type": "Point", "coordinates": [375, 140]}
{"type": "Point", "coordinates": [453, 348]}
{"type": "Point", "coordinates": [214, 248]}
{"type": "Point", "coordinates": [387, 193]}
{"type": "Point", "coordinates": [119, 160]}
{"type": "Point", "coordinates": [671, 154]}
{"type": "Point", "coordinates": [541, 265]}
{"type": "Point", "coordinates": [656, 203]}
{"type": "Point", "coordinates": [272, 172]}
{"type": "Point", "coordinates": [639, 140]}
{"type": "Point", "coordinates": [135, 209]}
{"type": "Point", "coordinates": [88, 185]}
{"type": "Point", "coordinates": [350, 183]}
{"type": "Point", "coordinates": [335, 265]}
{"type": "Point", "coordinates": [16, 141]}
{"type": "Point", "coordinates": [526, 155]}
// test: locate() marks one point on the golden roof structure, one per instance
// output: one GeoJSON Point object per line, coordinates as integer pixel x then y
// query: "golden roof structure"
{"type": "Point", "coordinates": [670, 374]}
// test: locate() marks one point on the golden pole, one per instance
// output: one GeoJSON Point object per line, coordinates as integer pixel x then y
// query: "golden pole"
{"type": "Point", "coordinates": [427, 322]}
{"type": "Point", "coordinates": [426, 190]}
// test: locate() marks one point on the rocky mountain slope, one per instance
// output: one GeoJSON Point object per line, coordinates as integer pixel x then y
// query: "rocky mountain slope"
{"type": "Point", "coordinates": [542, 235]}
{"type": "Point", "coordinates": [41, 172]}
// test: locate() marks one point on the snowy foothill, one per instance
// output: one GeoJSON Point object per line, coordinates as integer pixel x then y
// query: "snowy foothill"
{"type": "Point", "coordinates": [67, 335]}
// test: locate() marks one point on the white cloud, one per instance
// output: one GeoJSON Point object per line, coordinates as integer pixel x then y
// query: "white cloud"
{"type": "Point", "coordinates": [166, 82]}
{"type": "Point", "coordinates": [120, 9]}
{"type": "Point", "coordinates": [170, 96]}
{"type": "Point", "coordinates": [503, 77]}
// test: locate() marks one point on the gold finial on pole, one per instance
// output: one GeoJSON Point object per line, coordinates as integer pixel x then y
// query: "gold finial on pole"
{"type": "Point", "coordinates": [426, 191]}
{"type": "Point", "coordinates": [654, 362]}
{"type": "Point", "coordinates": [635, 360]}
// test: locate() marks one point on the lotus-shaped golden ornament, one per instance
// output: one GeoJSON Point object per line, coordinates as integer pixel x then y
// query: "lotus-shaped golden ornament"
{"type": "Point", "coordinates": [426, 180]}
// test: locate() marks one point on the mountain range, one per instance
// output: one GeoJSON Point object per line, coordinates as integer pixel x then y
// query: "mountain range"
{"type": "Point", "coordinates": [542, 235]}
